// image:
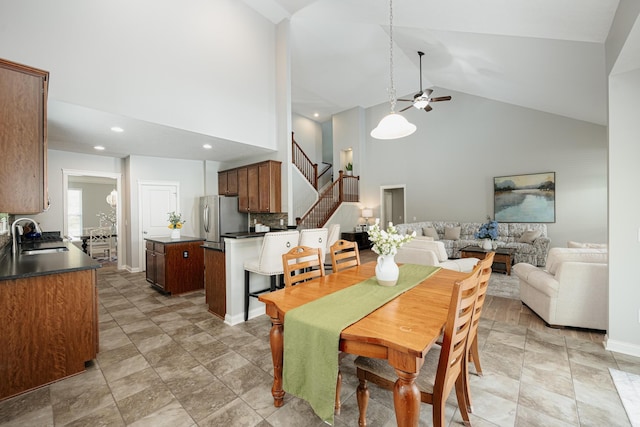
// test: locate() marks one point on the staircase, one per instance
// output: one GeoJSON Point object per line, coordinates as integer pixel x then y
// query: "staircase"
{"type": "Point", "coordinates": [344, 189]}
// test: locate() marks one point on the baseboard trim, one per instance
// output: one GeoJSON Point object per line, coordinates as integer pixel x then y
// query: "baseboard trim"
{"type": "Point", "coordinates": [621, 347]}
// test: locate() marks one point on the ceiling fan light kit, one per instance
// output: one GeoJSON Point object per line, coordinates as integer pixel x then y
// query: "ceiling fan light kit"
{"type": "Point", "coordinates": [393, 125]}
{"type": "Point", "coordinates": [422, 99]}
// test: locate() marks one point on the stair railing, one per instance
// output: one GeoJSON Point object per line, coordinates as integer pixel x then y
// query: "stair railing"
{"type": "Point", "coordinates": [344, 189]}
{"type": "Point", "coordinates": [308, 169]}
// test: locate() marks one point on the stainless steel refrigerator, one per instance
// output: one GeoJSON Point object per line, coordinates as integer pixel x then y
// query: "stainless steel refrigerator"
{"type": "Point", "coordinates": [219, 215]}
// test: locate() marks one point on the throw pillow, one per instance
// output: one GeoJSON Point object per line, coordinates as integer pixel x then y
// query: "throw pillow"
{"type": "Point", "coordinates": [572, 244]}
{"type": "Point", "coordinates": [452, 233]}
{"type": "Point", "coordinates": [430, 232]}
{"type": "Point", "coordinates": [529, 236]}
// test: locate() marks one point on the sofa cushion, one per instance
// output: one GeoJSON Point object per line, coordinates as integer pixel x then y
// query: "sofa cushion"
{"type": "Point", "coordinates": [559, 255]}
{"type": "Point", "coordinates": [529, 236]}
{"type": "Point", "coordinates": [572, 244]}
{"type": "Point", "coordinates": [430, 232]}
{"type": "Point", "coordinates": [452, 233]}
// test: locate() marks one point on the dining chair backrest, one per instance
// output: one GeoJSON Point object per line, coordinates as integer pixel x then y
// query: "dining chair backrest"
{"type": "Point", "coordinates": [485, 274]}
{"type": "Point", "coordinates": [456, 332]}
{"type": "Point", "coordinates": [302, 263]}
{"type": "Point", "coordinates": [314, 238]}
{"type": "Point", "coordinates": [344, 254]}
{"type": "Point", "coordinates": [274, 245]}
{"type": "Point", "coordinates": [100, 241]}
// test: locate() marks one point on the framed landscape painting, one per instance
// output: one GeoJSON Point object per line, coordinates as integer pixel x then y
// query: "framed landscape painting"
{"type": "Point", "coordinates": [525, 198]}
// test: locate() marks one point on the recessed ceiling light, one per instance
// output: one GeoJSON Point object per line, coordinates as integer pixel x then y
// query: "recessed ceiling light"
{"type": "Point", "coordinates": [207, 146]}
{"type": "Point", "coordinates": [99, 147]}
{"type": "Point", "coordinates": [316, 115]}
{"type": "Point", "coordinates": [117, 129]}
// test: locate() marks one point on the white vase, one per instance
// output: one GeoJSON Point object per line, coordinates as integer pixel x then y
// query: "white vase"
{"type": "Point", "coordinates": [486, 244]}
{"type": "Point", "coordinates": [175, 233]}
{"type": "Point", "coordinates": [387, 270]}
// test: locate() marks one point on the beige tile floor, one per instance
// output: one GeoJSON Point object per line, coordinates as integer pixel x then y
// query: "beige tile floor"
{"type": "Point", "coordinates": [167, 362]}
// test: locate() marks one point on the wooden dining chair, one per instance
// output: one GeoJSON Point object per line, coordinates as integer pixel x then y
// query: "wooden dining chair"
{"type": "Point", "coordinates": [302, 263]}
{"type": "Point", "coordinates": [344, 254]}
{"type": "Point", "coordinates": [484, 267]}
{"type": "Point", "coordinates": [443, 366]}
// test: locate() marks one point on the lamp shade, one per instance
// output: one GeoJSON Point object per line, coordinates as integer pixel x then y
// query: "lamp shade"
{"type": "Point", "coordinates": [367, 213]}
{"type": "Point", "coordinates": [112, 198]}
{"type": "Point", "coordinates": [393, 126]}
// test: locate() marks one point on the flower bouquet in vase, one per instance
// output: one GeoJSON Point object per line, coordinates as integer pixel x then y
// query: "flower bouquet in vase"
{"type": "Point", "coordinates": [386, 244]}
{"type": "Point", "coordinates": [175, 224]}
{"type": "Point", "coordinates": [488, 232]}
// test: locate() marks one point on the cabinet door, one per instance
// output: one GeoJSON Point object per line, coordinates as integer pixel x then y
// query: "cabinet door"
{"type": "Point", "coordinates": [269, 181]}
{"type": "Point", "coordinates": [215, 282]}
{"type": "Point", "coordinates": [222, 183]}
{"type": "Point", "coordinates": [232, 182]}
{"type": "Point", "coordinates": [253, 187]}
{"type": "Point", "coordinates": [150, 266]}
{"type": "Point", "coordinates": [243, 189]}
{"type": "Point", "coordinates": [23, 100]}
{"type": "Point", "coordinates": [160, 265]}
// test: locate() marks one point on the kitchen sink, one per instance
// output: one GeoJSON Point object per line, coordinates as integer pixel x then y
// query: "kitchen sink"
{"type": "Point", "coordinates": [44, 250]}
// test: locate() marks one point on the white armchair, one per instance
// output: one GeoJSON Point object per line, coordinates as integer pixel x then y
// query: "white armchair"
{"type": "Point", "coordinates": [425, 251]}
{"type": "Point", "coordinates": [571, 290]}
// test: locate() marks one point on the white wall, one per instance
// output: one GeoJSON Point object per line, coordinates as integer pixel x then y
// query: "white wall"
{"type": "Point", "coordinates": [94, 201]}
{"type": "Point", "coordinates": [189, 67]}
{"type": "Point", "coordinates": [188, 173]}
{"type": "Point", "coordinates": [52, 220]}
{"type": "Point", "coordinates": [308, 135]}
{"type": "Point", "coordinates": [449, 163]}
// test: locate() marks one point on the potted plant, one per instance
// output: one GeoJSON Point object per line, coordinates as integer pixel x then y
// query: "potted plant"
{"type": "Point", "coordinates": [349, 169]}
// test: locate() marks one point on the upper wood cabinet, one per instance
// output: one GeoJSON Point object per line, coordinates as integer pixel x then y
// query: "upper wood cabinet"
{"type": "Point", "coordinates": [228, 183]}
{"type": "Point", "coordinates": [259, 187]}
{"type": "Point", "coordinates": [23, 138]}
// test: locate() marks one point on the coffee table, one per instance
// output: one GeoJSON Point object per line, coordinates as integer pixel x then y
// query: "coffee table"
{"type": "Point", "coordinates": [503, 256]}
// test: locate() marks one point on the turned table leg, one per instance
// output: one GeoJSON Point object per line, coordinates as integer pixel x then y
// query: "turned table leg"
{"type": "Point", "coordinates": [276, 339]}
{"type": "Point", "coordinates": [406, 399]}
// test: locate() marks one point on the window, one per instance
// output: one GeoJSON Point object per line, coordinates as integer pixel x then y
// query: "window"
{"type": "Point", "coordinates": [74, 212]}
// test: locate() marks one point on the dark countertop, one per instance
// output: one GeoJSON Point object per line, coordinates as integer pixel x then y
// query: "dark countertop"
{"type": "Point", "coordinates": [168, 240]}
{"type": "Point", "coordinates": [20, 266]}
{"type": "Point", "coordinates": [243, 235]}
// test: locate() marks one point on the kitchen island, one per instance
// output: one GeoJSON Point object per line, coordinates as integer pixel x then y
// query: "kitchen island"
{"type": "Point", "coordinates": [48, 313]}
{"type": "Point", "coordinates": [174, 266]}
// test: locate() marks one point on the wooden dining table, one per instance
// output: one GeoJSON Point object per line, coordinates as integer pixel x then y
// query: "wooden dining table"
{"type": "Point", "coordinates": [401, 331]}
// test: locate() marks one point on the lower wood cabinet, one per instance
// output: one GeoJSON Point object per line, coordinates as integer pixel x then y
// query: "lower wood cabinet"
{"type": "Point", "coordinates": [175, 267]}
{"type": "Point", "coordinates": [49, 329]}
{"type": "Point", "coordinates": [215, 282]}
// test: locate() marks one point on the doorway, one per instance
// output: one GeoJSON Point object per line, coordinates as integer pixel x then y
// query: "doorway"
{"type": "Point", "coordinates": [90, 182]}
{"type": "Point", "coordinates": [392, 204]}
{"type": "Point", "coordinates": [157, 199]}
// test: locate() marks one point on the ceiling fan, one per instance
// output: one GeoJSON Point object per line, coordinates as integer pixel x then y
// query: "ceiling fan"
{"type": "Point", "coordinates": [422, 100]}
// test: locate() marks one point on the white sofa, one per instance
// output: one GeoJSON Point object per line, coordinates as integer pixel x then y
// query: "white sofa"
{"type": "Point", "coordinates": [425, 251]}
{"type": "Point", "coordinates": [571, 290]}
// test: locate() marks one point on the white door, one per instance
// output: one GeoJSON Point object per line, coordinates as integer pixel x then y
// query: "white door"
{"type": "Point", "coordinates": [156, 201]}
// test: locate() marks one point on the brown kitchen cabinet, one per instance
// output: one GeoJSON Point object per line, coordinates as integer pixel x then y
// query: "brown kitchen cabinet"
{"type": "Point", "coordinates": [23, 138]}
{"type": "Point", "coordinates": [215, 282]}
{"type": "Point", "coordinates": [50, 328]}
{"type": "Point", "coordinates": [259, 187]}
{"type": "Point", "coordinates": [175, 266]}
{"type": "Point", "coordinates": [228, 182]}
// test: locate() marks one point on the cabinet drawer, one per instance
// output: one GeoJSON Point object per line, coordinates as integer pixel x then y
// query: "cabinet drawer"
{"type": "Point", "coordinates": [149, 246]}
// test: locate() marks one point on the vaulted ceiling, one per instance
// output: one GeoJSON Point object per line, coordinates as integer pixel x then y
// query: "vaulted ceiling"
{"type": "Point", "coordinates": [544, 54]}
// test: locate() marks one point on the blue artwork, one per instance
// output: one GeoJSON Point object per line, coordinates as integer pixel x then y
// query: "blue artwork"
{"type": "Point", "coordinates": [525, 198]}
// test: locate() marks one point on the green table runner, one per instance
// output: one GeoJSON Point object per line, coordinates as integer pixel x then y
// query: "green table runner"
{"type": "Point", "coordinates": [312, 335]}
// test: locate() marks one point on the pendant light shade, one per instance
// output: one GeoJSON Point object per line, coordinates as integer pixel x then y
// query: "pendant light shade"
{"type": "Point", "coordinates": [393, 126]}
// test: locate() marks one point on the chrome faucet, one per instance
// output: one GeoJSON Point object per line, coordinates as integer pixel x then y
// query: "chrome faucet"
{"type": "Point", "coordinates": [14, 247]}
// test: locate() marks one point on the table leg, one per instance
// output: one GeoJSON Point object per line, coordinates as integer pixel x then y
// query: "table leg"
{"type": "Point", "coordinates": [276, 339]}
{"type": "Point", "coordinates": [406, 399]}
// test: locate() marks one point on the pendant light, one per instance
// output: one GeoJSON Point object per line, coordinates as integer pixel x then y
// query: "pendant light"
{"type": "Point", "coordinates": [393, 125]}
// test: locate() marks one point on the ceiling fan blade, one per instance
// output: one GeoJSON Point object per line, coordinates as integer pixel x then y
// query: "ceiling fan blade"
{"type": "Point", "coordinates": [405, 108]}
{"type": "Point", "coordinates": [440, 98]}
{"type": "Point", "coordinates": [428, 108]}
{"type": "Point", "coordinates": [408, 100]}
{"type": "Point", "coordinates": [428, 92]}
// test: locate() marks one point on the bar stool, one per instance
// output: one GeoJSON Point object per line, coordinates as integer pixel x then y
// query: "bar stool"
{"type": "Point", "coordinates": [334, 236]}
{"type": "Point", "coordinates": [268, 263]}
{"type": "Point", "coordinates": [314, 238]}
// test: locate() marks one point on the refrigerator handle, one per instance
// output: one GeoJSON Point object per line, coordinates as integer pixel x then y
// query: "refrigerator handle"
{"type": "Point", "coordinates": [205, 215]}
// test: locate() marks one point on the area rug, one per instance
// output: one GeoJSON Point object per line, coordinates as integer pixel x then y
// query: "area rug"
{"type": "Point", "coordinates": [628, 386]}
{"type": "Point", "coordinates": [501, 285]}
